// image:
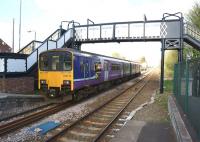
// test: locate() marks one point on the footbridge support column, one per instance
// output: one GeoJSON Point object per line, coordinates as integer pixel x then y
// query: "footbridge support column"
{"type": "Point", "coordinates": [172, 39]}
{"type": "Point", "coordinates": [162, 66]}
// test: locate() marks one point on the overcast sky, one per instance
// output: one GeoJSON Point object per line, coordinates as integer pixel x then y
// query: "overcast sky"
{"type": "Point", "coordinates": [44, 16]}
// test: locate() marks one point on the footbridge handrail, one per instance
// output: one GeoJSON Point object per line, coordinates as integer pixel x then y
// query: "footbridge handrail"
{"type": "Point", "coordinates": [192, 30]}
{"type": "Point", "coordinates": [54, 36]}
{"type": "Point", "coordinates": [28, 49]}
{"type": "Point", "coordinates": [49, 43]}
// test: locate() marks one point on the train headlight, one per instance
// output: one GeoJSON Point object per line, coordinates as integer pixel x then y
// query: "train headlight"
{"type": "Point", "coordinates": [43, 82]}
{"type": "Point", "coordinates": [66, 82]}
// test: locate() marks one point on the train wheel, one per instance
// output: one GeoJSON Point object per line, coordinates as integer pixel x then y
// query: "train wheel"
{"type": "Point", "coordinates": [75, 96]}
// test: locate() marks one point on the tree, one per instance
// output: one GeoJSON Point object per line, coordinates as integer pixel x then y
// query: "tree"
{"type": "Point", "coordinates": [190, 53]}
{"type": "Point", "coordinates": [142, 60]}
{"type": "Point", "coordinates": [194, 17]}
{"type": "Point", "coordinates": [117, 55]}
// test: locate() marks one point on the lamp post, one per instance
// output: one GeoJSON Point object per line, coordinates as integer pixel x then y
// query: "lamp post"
{"type": "Point", "coordinates": [30, 31]}
{"type": "Point", "coordinates": [34, 43]}
{"type": "Point", "coordinates": [13, 36]}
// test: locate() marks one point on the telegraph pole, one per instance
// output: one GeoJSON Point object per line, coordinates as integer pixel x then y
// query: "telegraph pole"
{"type": "Point", "coordinates": [13, 36]}
{"type": "Point", "coordinates": [20, 13]}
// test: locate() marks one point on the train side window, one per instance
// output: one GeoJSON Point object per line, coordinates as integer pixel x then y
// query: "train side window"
{"type": "Point", "coordinates": [115, 67]}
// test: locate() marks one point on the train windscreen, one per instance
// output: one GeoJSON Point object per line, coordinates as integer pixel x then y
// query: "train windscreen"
{"type": "Point", "coordinates": [55, 61]}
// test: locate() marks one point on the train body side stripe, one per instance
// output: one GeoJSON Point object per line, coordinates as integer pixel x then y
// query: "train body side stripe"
{"type": "Point", "coordinates": [82, 79]}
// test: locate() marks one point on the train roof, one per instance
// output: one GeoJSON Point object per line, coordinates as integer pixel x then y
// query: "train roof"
{"type": "Point", "coordinates": [77, 52]}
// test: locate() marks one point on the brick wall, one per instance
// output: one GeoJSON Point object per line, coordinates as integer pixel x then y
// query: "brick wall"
{"type": "Point", "coordinates": [20, 85]}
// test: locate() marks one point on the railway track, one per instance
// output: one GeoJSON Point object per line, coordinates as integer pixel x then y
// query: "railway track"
{"type": "Point", "coordinates": [94, 124]}
{"type": "Point", "coordinates": [21, 122]}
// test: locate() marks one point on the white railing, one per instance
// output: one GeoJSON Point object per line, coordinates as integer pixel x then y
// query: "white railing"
{"type": "Point", "coordinates": [31, 59]}
{"type": "Point", "coordinates": [28, 49]}
{"type": "Point", "coordinates": [51, 44]}
{"type": "Point", "coordinates": [126, 30]}
{"type": "Point", "coordinates": [64, 38]}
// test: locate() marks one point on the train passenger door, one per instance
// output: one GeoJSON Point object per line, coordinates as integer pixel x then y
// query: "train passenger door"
{"type": "Point", "coordinates": [105, 70]}
{"type": "Point", "coordinates": [86, 68]}
{"type": "Point", "coordinates": [122, 69]}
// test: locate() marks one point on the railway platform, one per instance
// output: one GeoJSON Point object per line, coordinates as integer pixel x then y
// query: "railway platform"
{"type": "Point", "coordinates": [13, 104]}
{"type": "Point", "coordinates": [141, 131]}
{"type": "Point", "coordinates": [155, 131]}
{"type": "Point", "coordinates": [18, 99]}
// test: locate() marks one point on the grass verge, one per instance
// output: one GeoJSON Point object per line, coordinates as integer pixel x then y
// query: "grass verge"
{"type": "Point", "coordinates": [162, 99]}
{"type": "Point", "coordinates": [168, 86]}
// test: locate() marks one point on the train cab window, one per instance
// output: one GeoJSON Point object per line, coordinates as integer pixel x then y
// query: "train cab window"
{"type": "Point", "coordinates": [55, 63]}
{"type": "Point", "coordinates": [44, 62]}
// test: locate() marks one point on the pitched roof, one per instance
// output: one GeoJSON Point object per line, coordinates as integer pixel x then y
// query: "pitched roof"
{"type": "Point", "coordinates": [4, 47]}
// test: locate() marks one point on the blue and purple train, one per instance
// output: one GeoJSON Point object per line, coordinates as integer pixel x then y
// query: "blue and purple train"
{"type": "Point", "coordinates": [65, 71]}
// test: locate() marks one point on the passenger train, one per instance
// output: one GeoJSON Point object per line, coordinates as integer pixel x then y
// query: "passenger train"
{"type": "Point", "coordinates": [65, 71]}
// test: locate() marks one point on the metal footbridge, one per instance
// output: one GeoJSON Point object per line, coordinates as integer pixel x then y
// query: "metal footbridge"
{"type": "Point", "coordinates": [171, 31]}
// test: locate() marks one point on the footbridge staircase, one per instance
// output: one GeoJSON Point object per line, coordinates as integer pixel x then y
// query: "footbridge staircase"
{"type": "Point", "coordinates": [25, 60]}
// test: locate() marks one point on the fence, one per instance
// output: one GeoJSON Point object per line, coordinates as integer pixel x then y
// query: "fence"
{"type": "Point", "coordinates": [187, 90]}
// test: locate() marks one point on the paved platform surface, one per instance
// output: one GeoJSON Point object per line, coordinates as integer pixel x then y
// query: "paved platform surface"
{"type": "Point", "coordinates": [141, 131]}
